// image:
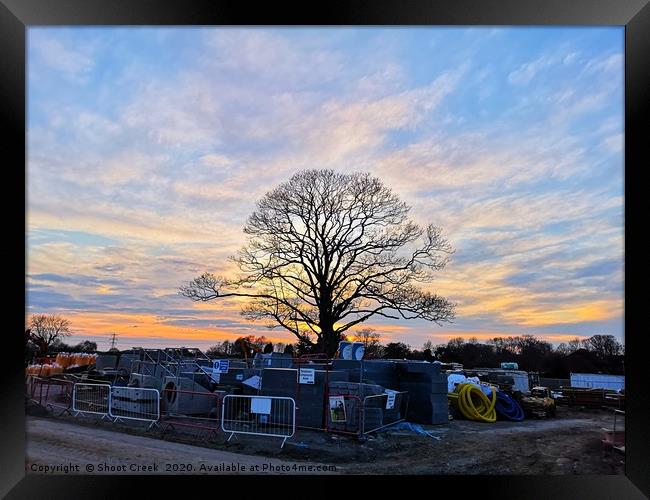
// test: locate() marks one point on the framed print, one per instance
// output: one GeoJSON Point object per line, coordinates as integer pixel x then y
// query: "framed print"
{"type": "Point", "coordinates": [243, 224]}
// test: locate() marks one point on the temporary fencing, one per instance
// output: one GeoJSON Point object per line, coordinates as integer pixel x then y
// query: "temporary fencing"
{"type": "Point", "coordinates": [383, 410]}
{"type": "Point", "coordinates": [91, 398]}
{"type": "Point", "coordinates": [134, 403]}
{"type": "Point", "coordinates": [344, 415]}
{"type": "Point", "coordinates": [206, 418]}
{"type": "Point", "coordinates": [259, 415]}
{"type": "Point", "coordinates": [51, 393]}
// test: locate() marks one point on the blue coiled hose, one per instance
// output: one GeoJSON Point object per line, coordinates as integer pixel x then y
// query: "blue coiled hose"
{"type": "Point", "coordinates": [507, 408]}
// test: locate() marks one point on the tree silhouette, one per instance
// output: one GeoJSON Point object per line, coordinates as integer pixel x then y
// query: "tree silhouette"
{"type": "Point", "coordinates": [45, 329]}
{"type": "Point", "coordinates": [325, 252]}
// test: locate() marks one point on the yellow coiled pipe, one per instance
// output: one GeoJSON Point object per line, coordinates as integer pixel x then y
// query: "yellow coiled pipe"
{"type": "Point", "coordinates": [473, 404]}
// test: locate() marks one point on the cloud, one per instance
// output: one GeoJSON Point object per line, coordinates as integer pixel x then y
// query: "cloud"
{"type": "Point", "coordinates": [525, 73]}
{"type": "Point", "coordinates": [614, 143]}
{"type": "Point", "coordinates": [74, 64]}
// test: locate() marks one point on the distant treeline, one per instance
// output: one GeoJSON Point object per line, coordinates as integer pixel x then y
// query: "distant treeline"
{"type": "Point", "coordinates": [599, 353]}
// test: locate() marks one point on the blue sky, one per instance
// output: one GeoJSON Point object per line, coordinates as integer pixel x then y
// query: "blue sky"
{"type": "Point", "coordinates": [147, 148]}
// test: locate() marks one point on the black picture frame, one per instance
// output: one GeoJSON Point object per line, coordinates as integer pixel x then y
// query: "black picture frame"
{"type": "Point", "coordinates": [16, 16]}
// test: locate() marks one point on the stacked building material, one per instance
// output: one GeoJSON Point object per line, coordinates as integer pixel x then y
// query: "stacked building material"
{"type": "Point", "coordinates": [310, 398]}
{"type": "Point", "coordinates": [535, 407]}
{"type": "Point", "coordinates": [591, 398]}
{"type": "Point", "coordinates": [427, 389]}
{"type": "Point", "coordinates": [425, 383]}
{"type": "Point", "coordinates": [272, 360]}
{"type": "Point", "coordinates": [354, 394]}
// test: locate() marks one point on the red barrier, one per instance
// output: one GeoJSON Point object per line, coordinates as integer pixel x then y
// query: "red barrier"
{"type": "Point", "coordinates": [51, 393]}
{"type": "Point", "coordinates": [170, 419]}
{"type": "Point", "coordinates": [352, 424]}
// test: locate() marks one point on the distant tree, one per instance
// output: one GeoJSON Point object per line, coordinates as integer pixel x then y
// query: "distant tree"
{"type": "Point", "coordinates": [532, 352]}
{"type": "Point", "coordinates": [249, 345]}
{"type": "Point", "coordinates": [268, 348]}
{"type": "Point", "coordinates": [455, 342]}
{"type": "Point", "coordinates": [288, 349]}
{"type": "Point", "coordinates": [86, 346]}
{"type": "Point", "coordinates": [304, 346]}
{"type": "Point", "coordinates": [604, 346]}
{"type": "Point", "coordinates": [47, 328]}
{"type": "Point", "coordinates": [279, 347]}
{"type": "Point", "coordinates": [397, 350]}
{"type": "Point", "coordinates": [427, 351]}
{"type": "Point", "coordinates": [574, 345]}
{"type": "Point", "coordinates": [427, 355]}
{"type": "Point", "coordinates": [505, 346]}
{"type": "Point", "coordinates": [562, 349]}
{"type": "Point", "coordinates": [371, 342]}
{"type": "Point", "coordinates": [582, 361]}
{"type": "Point", "coordinates": [221, 349]}
{"type": "Point", "coordinates": [602, 354]}
{"type": "Point", "coordinates": [214, 351]}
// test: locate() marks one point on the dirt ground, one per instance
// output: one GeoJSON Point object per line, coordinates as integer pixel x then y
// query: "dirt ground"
{"type": "Point", "coordinates": [567, 444]}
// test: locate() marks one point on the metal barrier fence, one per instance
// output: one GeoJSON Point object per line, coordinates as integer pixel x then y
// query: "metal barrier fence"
{"type": "Point", "coordinates": [383, 410]}
{"type": "Point", "coordinates": [134, 403]}
{"type": "Point", "coordinates": [91, 398]}
{"type": "Point", "coordinates": [51, 393]}
{"type": "Point", "coordinates": [344, 414]}
{"type": "Point", "coordinates": [259, 415]}
{"type": "Point", "coordinates": [206, 414]}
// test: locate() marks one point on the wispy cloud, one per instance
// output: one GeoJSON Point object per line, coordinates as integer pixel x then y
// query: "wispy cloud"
{"type": "Point", "coordinates": [73, 63]}
{"type": "Point", "coordinates": [512, 146]}
{"type": "Point", "coordinates": [527, 71]}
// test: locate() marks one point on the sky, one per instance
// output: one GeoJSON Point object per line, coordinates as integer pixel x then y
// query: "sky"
{"type": "Point", "coordinates": [148, 148]}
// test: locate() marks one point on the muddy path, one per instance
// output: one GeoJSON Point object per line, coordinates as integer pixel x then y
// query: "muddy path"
{"type": "Point", "coordinates": [568, 444]}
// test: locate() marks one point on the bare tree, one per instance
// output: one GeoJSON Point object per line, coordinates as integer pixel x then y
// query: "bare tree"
{"type": "Point", "coordinates": [371, 342]}
{"type": "Point", "coordinates": [604, 346]}
{"type": "Point", "coordinates": [575, 344]}
{"type": "Point", "coordinates": [45, 329]}
{"type": "Point", "coordinates": [327, 251]}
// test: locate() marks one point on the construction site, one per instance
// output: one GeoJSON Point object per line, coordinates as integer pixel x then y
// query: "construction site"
{"type": "Point", "coordinates": [176, 411]}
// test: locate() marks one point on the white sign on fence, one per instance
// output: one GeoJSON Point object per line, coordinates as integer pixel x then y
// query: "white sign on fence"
{"type": "Point", "coordinates": [390, 400]}
{"type": "Point", "coordinates": [261, 405]}
{"type": "Point", "coordinates": [307, 375]}
{"type": "Point", "coordinates": [221, 365]}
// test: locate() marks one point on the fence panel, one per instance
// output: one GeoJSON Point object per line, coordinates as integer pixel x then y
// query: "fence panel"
{"type": "Point", "coordinates": [382, 410]}
{"type": "Point", "coordinates": [135, 403]}
{"type": "Point", "coordinates": [51, 393]}
{"type": "Point", "coordinates": [259, 415]}
{"type": "Point", "coordinates": [344, 414]}
{"type": "Point", "coordinates": [91, 398]}
{"type": "Point", "coordinates": [191, 409]}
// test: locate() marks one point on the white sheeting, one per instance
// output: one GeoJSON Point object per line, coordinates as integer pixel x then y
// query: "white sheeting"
{"type": "Point", "coordinates": [453, 379]}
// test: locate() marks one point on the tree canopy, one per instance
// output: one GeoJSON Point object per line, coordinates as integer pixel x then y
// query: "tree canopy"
{"type": "Point", "coordinates": [45, 329]}
{"type": "Point", "coordinates": [326, 251]}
